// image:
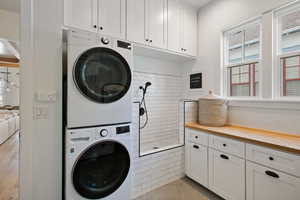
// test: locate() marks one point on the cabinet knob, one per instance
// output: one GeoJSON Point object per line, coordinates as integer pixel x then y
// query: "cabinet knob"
{"type": "Point", "coordinates": [224, 145]}
{"type": "Point", "coordinates": [150, 40]}
{"type": "Point", "coordinates": [101, 28]}
{"type": "Point", "coordinates": [95, 26]}
{"type": "Point", "coordinates": [147, 40]}
{"type": "Point", "coordinates": [271, 158]}
{"type": "Point", "coordinates": [196, 146]}
{"type": "Point", "coordinates": [272, 174]}
{"type": "Point", "coordinates": [196, 137]}
{"type": "Point", "coordinates": [224, 157]}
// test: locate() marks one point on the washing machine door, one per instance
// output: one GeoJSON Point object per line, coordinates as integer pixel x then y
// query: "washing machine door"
{"type": "Point", "coordinates": [101, 170]}
{"type": "Point", "coordinates": [102, 75]}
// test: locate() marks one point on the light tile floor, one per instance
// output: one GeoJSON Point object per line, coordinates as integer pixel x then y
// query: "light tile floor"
{"type": "Point", "coordinates": [183, 189]}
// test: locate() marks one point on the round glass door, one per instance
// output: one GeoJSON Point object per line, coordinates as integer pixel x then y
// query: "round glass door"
{"type": "Point", "coordinates": [101, 170]}
{"type": "Point", "coordinates": [102, 75]}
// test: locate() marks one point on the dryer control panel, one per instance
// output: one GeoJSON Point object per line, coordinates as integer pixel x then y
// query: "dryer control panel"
{"type": "Point", "coordinates": [122, 130]}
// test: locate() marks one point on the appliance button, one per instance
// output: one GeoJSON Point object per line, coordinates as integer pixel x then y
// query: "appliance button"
{"type": "Point", "coordinates": [103, 133]}
{"type": "Point", "coordinates": [105, 40]}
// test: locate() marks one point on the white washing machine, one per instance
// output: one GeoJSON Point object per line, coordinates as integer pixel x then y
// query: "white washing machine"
{"type": "Point", "coordinates": [98, 163]}
{"type": "Point", "coordinates": [97, 79]}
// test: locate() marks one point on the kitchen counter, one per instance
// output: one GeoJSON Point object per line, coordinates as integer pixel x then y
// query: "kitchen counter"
{"type": "Point", "coordinates": [276, 140]}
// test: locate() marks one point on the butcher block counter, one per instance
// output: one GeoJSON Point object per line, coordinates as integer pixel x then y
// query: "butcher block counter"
{"type": "Point", "coordinates": [276, 140]}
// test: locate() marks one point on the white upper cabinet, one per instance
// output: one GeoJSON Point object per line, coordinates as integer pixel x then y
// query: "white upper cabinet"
{"type": "Point", "coordinates": [175, 25]}
{"type": "Point", "coordinates": [111, 17]}
{"type": "Point", "coordinates": [156, 23]}
{"type": "Point", "coordinates": [190, 24]}
{"type": "Point", "coordinates": [182, 28]}
{"type": "Point", "coordinates": [136, 21]}
{"type": "Point", "coordinates": [165, 24]}
{"type": "Point", "coordinates": [81, 14]}
{"type": "Point", "coordinates": [147, 22]}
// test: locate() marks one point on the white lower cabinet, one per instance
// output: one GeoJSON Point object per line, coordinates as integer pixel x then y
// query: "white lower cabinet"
{"type": "Point", "coordinates": [198, 170]}
{"type": "Point", "coordinates": [220, 164]}
{"type": "Point", "coordinates": [267, 184]}
{"type": "Point", "coordinates": [226, 175]}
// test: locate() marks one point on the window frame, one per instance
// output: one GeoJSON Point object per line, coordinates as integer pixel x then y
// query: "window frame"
{"type": "Point", "coordinates": [226, 79]}
{"type": "Point", "coordinates": [278, 55]}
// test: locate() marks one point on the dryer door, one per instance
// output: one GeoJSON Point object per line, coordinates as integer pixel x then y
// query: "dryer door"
{"type": "Point", "coordinates": [102, 75]}
{"type": "Point", "coordinates": [101, 170]}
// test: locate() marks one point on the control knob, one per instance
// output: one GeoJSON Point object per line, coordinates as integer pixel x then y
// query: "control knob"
{"type": "Point", "coordinates": [105, 40]}
{"type": "Point", "coordinates": [103, 133]}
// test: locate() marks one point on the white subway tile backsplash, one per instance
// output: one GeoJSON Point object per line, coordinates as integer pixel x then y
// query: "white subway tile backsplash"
{"type": "Point", "coordinates": [165, 107]}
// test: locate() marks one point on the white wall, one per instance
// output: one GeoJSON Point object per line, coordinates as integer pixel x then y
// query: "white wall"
{"type": "Point", "coordinates": [41, 139]}
{"type": "Point", "coordinates": [213, 19]}
{"type": "Point", "coordinates": [9, 25]}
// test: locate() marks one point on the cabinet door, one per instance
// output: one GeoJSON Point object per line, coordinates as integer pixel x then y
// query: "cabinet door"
{"type": "Point", "coordinates": [175, 25]}
{"type": "Point", "coordinates": [81, 14]}
{"type": "Point", "coordinates": [226, 175]}
{"type": "Point", "coordinates": [156, 23]}
{"type": "Point", "coordinates": [198, 163]}
{"type": "Point", "coordinates": [136, 21]}
{"type": "Point", "coordinates": [190, 24]}
{"type": "Point", "coordinates": [112, 17]}
{"type": "Point", "coordinates": [268, 184]}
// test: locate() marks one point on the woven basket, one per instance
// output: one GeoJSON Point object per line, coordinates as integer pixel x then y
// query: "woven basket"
{"type": "Point", "coordinates": [212, 110]}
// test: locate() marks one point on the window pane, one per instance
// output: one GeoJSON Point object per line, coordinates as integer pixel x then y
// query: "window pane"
{"type": "Point", "coordinates": [252, 42]}
{"type": "Point", "coordinates": [244, 80]}
{"type": "Point", "coordinates": [240, 90]}
{"type": "Point", "coordinates": [290, 76]}
{"type": "Point", "coordinates": [235, 47]}
{"type": "Point", "coordinates": [290, 32]}
{"type": "Point", "coordinates": [240, 85]}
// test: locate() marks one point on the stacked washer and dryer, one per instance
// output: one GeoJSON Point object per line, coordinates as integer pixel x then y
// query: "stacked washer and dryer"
{"type": "Point", "coordinates": [97, 116]}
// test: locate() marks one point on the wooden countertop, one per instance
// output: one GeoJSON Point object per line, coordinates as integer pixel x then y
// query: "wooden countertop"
{"type": "Point", "coordinates": [276, 140]}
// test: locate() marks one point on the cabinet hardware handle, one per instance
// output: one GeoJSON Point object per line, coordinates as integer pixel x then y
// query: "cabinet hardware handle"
{"type": "Point", "coordinates": [272, 174]}
{"type": "Point", "coordinates": [150, 40]}
{"type": "Point", "coordinates": [196, 146]}
{"type": "Point", "coordinates": [224, 157]}
{"type": "Point", "coordinates": [95, 26]}
{"type": "Point", "coordinates": [271, 158]}
{"type": "Point", "coordinates": [224, 145]}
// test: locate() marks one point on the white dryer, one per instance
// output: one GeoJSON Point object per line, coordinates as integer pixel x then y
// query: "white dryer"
{"type": "Point", "coordinates": [98, 163]}
{"type": "Point", "coordinates": [97, 79]}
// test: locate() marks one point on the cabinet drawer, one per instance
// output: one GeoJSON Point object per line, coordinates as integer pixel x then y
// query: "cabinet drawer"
{"type": "Point", "coordinates": [267, 184]}
{"type": "Point", "coordinates": [226, 175]}
{"type": "Point", "coordinates": [286, 162]}
{"type": "Point", "coordinates": [227, 145]}
{"type": "Point", "coordinates": [198, 137]}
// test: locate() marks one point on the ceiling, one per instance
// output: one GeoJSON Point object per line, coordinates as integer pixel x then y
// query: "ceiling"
{"type": "Point", "coordinates": [11, 5]}
{"type": "Point", "coordinates": [196, 3]}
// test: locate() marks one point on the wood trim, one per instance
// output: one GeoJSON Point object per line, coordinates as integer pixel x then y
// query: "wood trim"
{"type": "Point", "coordinates": [11, 60]}
{"type": "Point", "coordinates": [9, 64]}
{"type": "Point", "coordinates": [276, 140]}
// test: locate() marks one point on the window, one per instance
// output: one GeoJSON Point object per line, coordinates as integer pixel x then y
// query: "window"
{"type": "Point", "coordinates": [288, 51]}
{"type": "Point", "coordinates": [241, 58]}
